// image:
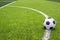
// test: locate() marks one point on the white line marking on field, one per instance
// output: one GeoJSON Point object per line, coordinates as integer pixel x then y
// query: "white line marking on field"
{"type": "Point", "coordinates": [7, 4]}
{"type": "Point", "coordinates": [46, 35]}
{"type": "Point", "coordinates": [47, 32]}
{"type": "Point", "coordinates": [31, 9]}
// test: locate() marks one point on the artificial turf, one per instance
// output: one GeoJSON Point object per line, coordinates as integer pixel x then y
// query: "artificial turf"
{"type": "Point", "coordinates": [23, 24]}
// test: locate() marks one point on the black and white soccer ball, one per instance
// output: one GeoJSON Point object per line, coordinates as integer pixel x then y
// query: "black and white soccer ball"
{"type": "Point", "coordinates": [49, 23]}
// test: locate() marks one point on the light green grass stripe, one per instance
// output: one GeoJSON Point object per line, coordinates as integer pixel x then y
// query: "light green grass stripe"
{"type": "Point", "coordinates": [47, 32]}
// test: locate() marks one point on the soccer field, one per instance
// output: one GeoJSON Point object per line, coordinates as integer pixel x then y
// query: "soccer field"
{"type": "Point", "coordinates": [24, 24]}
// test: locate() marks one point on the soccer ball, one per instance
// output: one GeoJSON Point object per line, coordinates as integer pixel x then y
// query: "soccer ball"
{"type": "Point", "coordinates": [49, 23]}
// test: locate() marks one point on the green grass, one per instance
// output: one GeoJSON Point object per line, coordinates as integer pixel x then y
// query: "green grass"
{"type": "Point", "coordinates": [20, 24]}
{"type": "Point", "coordinates": [4, 2]}
{"type": "Point", "coordinates": [23, 24]}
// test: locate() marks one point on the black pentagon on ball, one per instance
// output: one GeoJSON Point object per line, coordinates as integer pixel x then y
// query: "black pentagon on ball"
{"type": "Point", "coordinates": [51, 28]}
{"type": "Point", "coordinates": [53, 22]}
{"type": "Point", "coordinates": [47, 23]}
{"type": "Point", "coordinates": [44, 27]}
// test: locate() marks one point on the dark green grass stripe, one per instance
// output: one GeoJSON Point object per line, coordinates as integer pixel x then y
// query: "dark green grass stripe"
{"type": "Point", "coordinates": [4, 2]}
